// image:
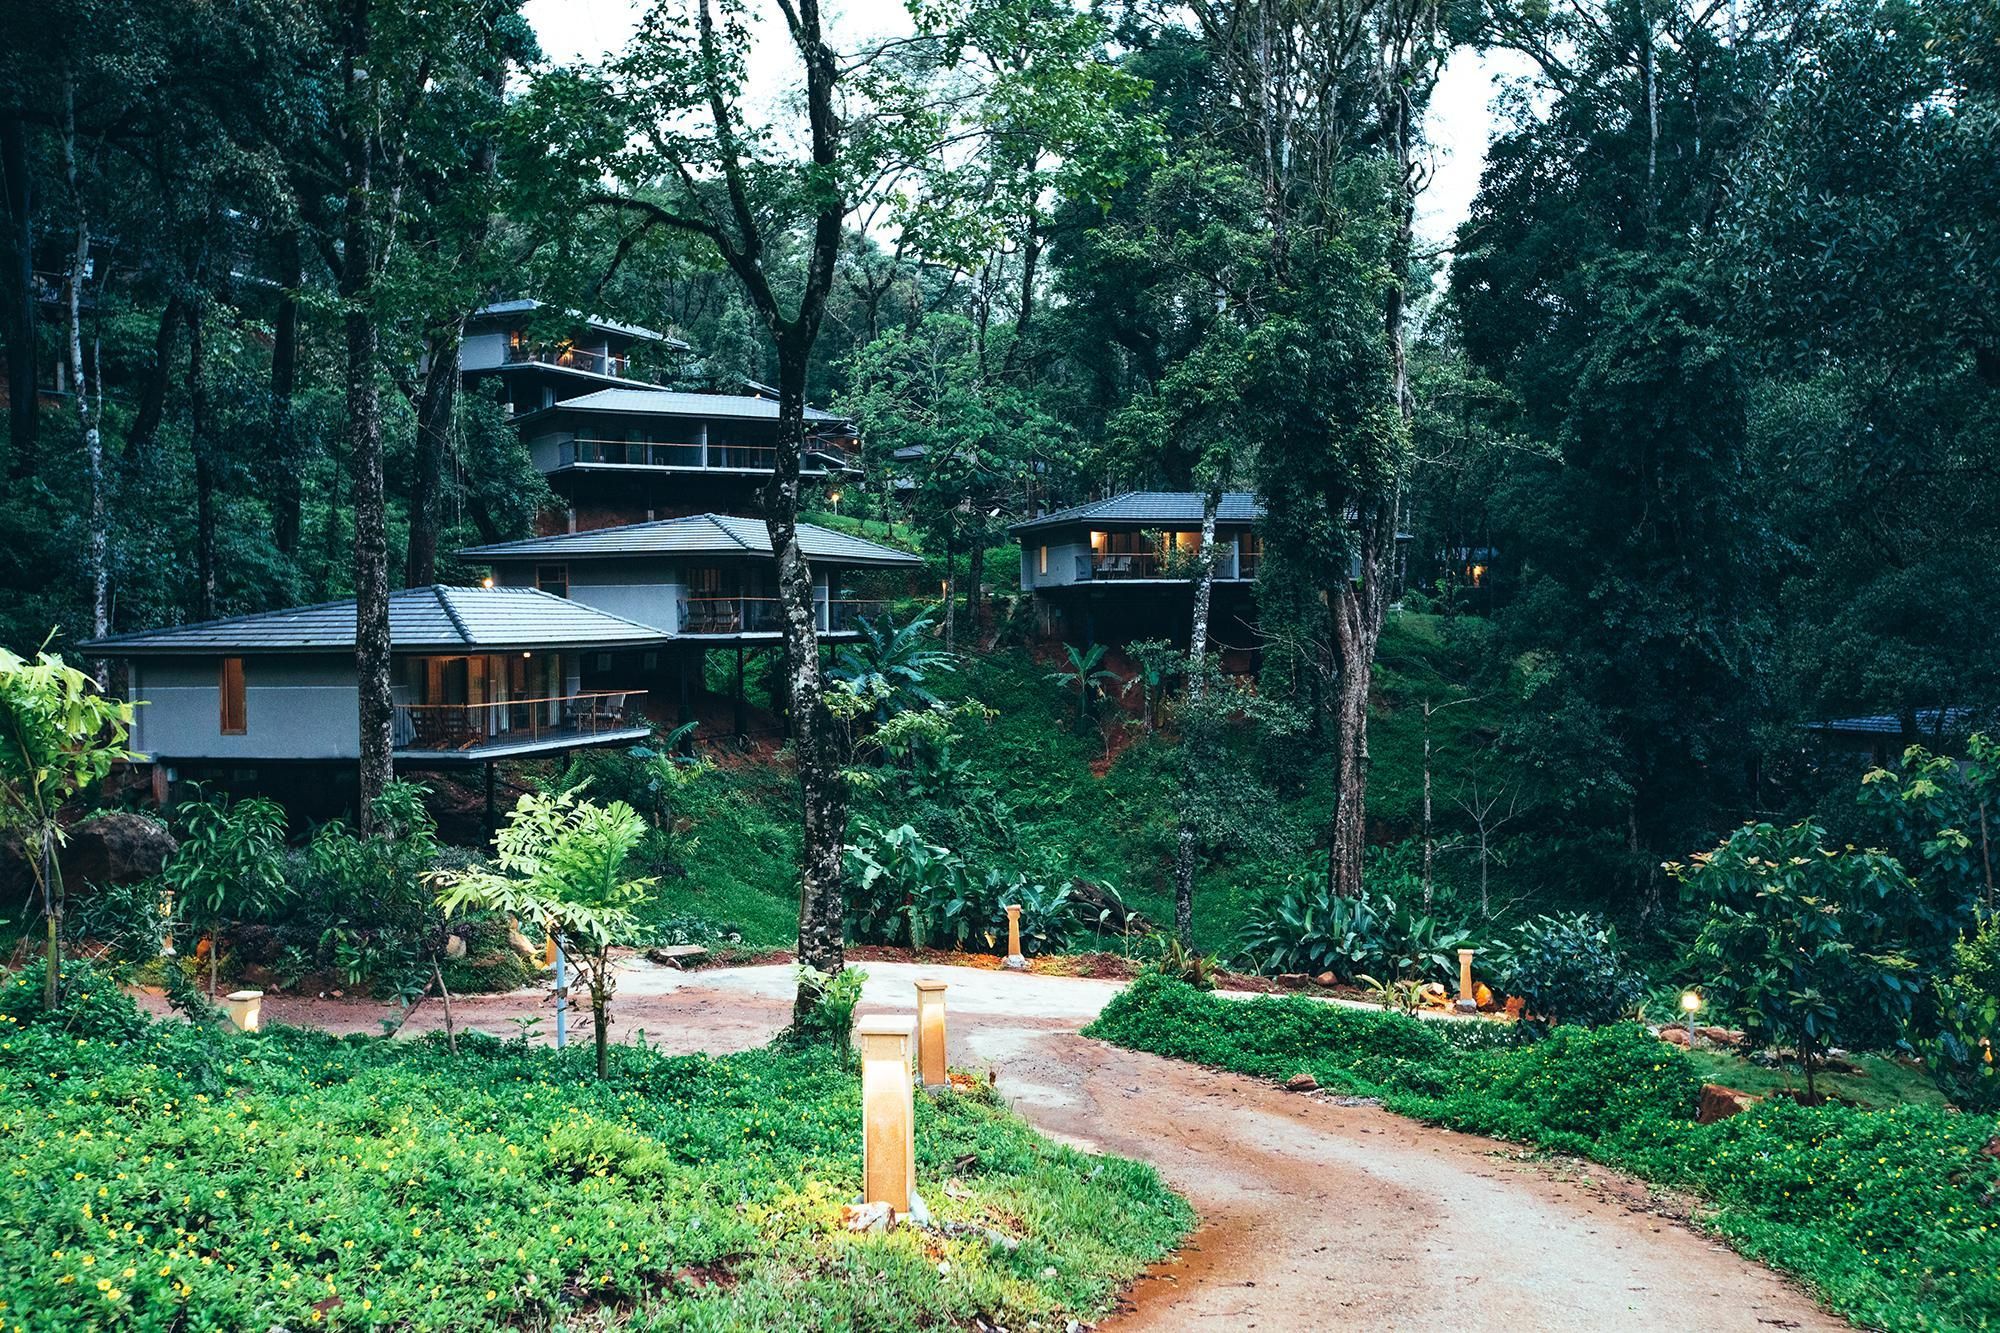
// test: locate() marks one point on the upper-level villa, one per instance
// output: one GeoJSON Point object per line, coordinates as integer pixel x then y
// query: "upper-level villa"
{"type": "Point", "coordinates": [542, 355]}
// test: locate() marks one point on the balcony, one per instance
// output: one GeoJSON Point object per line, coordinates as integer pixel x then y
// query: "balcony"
{"type": "Point", "coordinates": [763, 615]}
{"type": "Point", "coordinates": [569, 358]}
{"type": "Point", "coordinates": [518, 726]}
{"type": "Point", "coordinates": [678, 455]}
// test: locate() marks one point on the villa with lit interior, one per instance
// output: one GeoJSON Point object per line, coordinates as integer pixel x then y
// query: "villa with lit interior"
{"type": "Point", "coordinates": [1123, 568]}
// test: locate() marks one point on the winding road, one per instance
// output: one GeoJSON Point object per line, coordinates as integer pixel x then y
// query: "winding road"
{"type": "Point", "coordinates": [1314, 1214]}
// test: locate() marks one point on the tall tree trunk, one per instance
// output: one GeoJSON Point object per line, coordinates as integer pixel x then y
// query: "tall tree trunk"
{"type": "Point", "coordinates": [153, 393]}
{"type": "Point", "coordinates": [364, 428]}
{"type": "Point", "coordinates": [21, 323]}
{"type": "Point", "coordinates": [97, 541]}
{"type": "Point", "coordinates": [1204, 592]}
{"type": "Point", "coordinates": [436, 409]}
{"type": "Point", "coordinates": [287, 499]}
{"type": "Point", "coordinates": [822, 902]}
{"type": "Point", "coordinates": [950, 595]}
{"type": "Point", "coordinates": [202, 445]}
{"type": "Point", "coordinates": [975, 597]}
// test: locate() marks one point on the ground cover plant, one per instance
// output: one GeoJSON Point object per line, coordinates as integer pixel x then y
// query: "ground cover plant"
{"type": "Point", "coordinates": [168, 1176]}
{"type": "Point", "coordinates": [1892, 1215]}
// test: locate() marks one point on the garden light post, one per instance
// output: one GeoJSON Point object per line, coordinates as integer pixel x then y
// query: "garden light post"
{"type": "Point", "coordinates": [246, 1009]}
{"type": "Point", "coordinates": [888, 1110]}
{"type": "Point", "coordinates": [930, 1034]}
{"type": "Point", "coordinates": [1014, 962]}
{"type": "Point", "coordinates": [1690, 1005]}
{"type": "Point", "coordinates": [1466, 1002]}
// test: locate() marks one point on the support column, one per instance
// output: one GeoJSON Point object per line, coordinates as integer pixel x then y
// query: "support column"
{"type": "Point", "coordinates": [492, 817]}
{"type": "Point", "coordinates": [738, 701]}
{"type": "Point", "coordinates": [686, 713]}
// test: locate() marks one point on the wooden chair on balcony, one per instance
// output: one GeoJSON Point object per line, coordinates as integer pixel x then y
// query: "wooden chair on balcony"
{"type": "Point", "coordinates": [606, 710]}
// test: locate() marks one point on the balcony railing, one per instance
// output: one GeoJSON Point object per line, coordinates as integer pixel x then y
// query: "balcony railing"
{"type": "Point", "coordinates": [570, 358]}
{"type": "Point", "coordinates": [1125, 565]}
{"type": "Point", "coordinates": [451, 728]}
{"type": "Point", "coordinates": [648, 453]}
{"type": "Point", "coordinates": [764, 615]}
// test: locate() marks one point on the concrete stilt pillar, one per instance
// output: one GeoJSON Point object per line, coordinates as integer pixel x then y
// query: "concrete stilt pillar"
{"type": "Point", "coordinates": [1466, 1001]}
{"type": "Point", "coordinates": [888, 1110]}
{"type": "Point", "coordinates": [1014, 962]}
{"type": "Point", "coordinates": [931, 1034]}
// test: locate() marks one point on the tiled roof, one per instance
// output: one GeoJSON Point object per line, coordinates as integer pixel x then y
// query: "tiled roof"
{"type": "Point", "coordinates": [1929, 721]}
{"type": "Point", "coordinates": [1179, 507]}
{"type": "Point", "coordinates": [433, 618]}
{"type": "Point", "coordinates": [677, 403]}
{"type": "Point", "coordinates": [528, 306]}
{"type": "Point", "coordinates": [700, 534]}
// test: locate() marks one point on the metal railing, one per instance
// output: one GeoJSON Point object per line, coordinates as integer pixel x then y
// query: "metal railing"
{"type": "Point", "coordinates": [765, 615]}
{"type": "Point", "coordinates": [1125, 564]}
{"type": "Point", "coordinates": [650, 453]}
{"type": "Point", "coordinates": [452, 727]}
{"type": "Point", "coordinates": [570, 358]}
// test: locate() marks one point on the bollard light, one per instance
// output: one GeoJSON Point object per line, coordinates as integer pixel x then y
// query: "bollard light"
{"type": "Point", "coordinates": [1466, 1002]}
{"type": "Point", "coordinates": [930, 1034]}
{"type": "Point", "coordinates": [888, 1110]}
{"type": "Point", "coordinates": [1690, 1005]}
{"type": "Point", "coordinates": [1014, 962]}
{"type": "Point", "coordinates": [246, 1009]}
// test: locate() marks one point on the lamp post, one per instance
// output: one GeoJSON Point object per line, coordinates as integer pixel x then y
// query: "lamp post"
{"type": "Point", "coordinates": [1690, 1005]}
{"type": "Point", "coordinates": [1014, 962]}
{"type": "Point", "coordinates": [930, 1034]}
{"type": "Point", "coordinates": [888, 1110]}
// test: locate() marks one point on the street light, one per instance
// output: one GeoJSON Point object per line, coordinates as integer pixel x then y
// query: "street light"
{"type": "Point", "coordinates": [1690, 1005]}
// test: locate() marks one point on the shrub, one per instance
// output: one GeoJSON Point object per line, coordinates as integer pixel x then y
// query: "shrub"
{"type": "Point", "coordinates": [1569, 969]}
{"type": "Point", "coordinates": [1312, 929]}
{"type": "Point", "coordinates": [1960, 1056]}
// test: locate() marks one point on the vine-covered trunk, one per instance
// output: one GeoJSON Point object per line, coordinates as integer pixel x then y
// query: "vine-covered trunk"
{"type": "Point", "coordinates": [287, 493]}
{"type": "Point", "coordinates": [600, 1012]}
{"type": "Point", "coordinates": [97, 540]}
{"type": "Point", "coordinates": [1204, 592]}
{"type": "Point", "coordinates": [1358, 608]}
{"type": "Point", "coordinates": [822, 904]}
{"type": "Point", "coordinates": [364, 429]}
{"type": "Point", "coordinates": [201, 443]}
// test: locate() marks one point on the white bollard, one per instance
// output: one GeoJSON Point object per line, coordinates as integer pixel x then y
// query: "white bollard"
{"type": "Point", "coordinates": [246, 1009]}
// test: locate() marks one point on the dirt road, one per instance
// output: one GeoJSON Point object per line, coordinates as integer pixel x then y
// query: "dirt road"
{"type": "Point", "coordinates": [1314, 1215]}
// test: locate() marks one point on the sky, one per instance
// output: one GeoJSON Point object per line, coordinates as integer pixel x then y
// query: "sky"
{"type": "Point", "coordinates": [1460, 121]}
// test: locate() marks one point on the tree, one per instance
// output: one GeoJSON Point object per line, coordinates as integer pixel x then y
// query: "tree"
{"type": "Point", "coordinates": [1087, 675]}
{"type": "Point", "coordinates": [564, 865]}
{"type": "Point", "coordinates": [59, 736]}
{"type": "Point", "coordinates": [892, 664]}
{"type": "Point", "coordinates": [1803, 942]}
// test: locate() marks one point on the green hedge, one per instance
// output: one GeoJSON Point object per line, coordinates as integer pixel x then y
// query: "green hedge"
{"type": "Point", "coordinates": [1893, 1215]}
{"type": "Point", "coordinates": [168, 1177]}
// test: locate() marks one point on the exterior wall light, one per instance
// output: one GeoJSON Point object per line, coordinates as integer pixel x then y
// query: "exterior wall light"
{"type": "Point", "coordinates": [1014, 962]}
{"type": "Point", "coordinates": [486, 582]}
{"type": "Point", "coordinates": [888, 1110]}
{"type": "Point", "coordinates": [930, 1034]}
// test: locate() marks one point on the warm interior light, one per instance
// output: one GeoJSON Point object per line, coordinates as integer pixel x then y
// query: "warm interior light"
{"type": "Point", "coordinates": [1691, 1000]}
{"type": "Point", "coordinates": [888, 1110]}
{"type": "Point", "coordinates": [1096, 541]}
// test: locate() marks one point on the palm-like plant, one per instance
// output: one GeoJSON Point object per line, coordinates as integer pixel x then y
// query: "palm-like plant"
{"type": "Point", "coordinates": [563, 865]}
{"type": "Point", "coordinates": [1087, 676]}
{"type": "Point", "coordinates": [893, 663]}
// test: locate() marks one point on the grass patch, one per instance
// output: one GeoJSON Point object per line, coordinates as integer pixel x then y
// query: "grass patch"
{"type": "Point", "coordinates": [1893, 1215]}
{"type": "Point", "coordinates": [170, 1177]}
{"type": "Point", "coordinates": [741, 858]}
{"type": "Point", "coordinates": [1882, 1082]}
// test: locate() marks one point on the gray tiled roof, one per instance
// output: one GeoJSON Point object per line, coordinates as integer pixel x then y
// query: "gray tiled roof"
{"type": "Point", "coordinates": [676, 403]}
{"type": "Point", "coordinates": [433, 618]}
{"type": "Point", "coordinates": [528, 306]}
{"type": "Point", "coordinates": [700, 534]}
{"type": "Point", "coordinates": [1150, 507]}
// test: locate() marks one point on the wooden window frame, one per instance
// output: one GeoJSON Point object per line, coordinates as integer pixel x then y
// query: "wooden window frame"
{"type": "Point", "coordinates": [542, 580]}
{"type": "Point", "coordinates": [232, 699]}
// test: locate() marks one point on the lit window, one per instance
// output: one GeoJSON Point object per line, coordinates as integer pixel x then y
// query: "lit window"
{"type": "Point", "coordinates": [1042, 562]}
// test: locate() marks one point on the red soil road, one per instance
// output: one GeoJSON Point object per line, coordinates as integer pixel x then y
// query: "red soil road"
{"type": "Point", "coordinates": [1313, 1215]}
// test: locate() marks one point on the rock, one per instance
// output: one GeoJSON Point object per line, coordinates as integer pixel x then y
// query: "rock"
{"type": "Point", "coordinates": [1301, 1083]}
{"type": "Point", "coordinates": [678, 955]}
{"type": "Point", "coordinates": [1325, 979]}
{"type": "Point", "coordinates": [1676, 1036]}
{"type": "Point", "coordinates": [1719, 1102]}
{"type": "Point", "coordinates": [454, 946]}
{"type": "Point", "coordinates": [867, 1217]}
{"type": "Point", "coordinates": [1992, 1148]}
{"type": "Point", "coordinates": [1292, 978]}
{"type": "Point", "coordinates": [520, 941]}
{"type": "Point", "coordinates": [1721, 1036]}
{"type": "Point", "coordinates": [115, 848]}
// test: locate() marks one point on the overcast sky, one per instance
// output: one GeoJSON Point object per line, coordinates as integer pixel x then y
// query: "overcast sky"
{"type": "Point", "coordinates": [1460, 120]}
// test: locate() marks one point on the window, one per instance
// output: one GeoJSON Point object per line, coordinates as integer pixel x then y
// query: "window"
{"type": "Point", "coordinates": [553, 579]}
{"type": "Point", "coordinates": [230, 688]}
{"type": "Point", "coordinates": [604, 661]}
{"type": "Point", "coordinates": [1042, 561]}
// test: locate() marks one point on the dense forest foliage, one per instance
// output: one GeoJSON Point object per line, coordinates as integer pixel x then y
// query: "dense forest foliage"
{"type": "Point", "coordinates": [1689, 440]}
